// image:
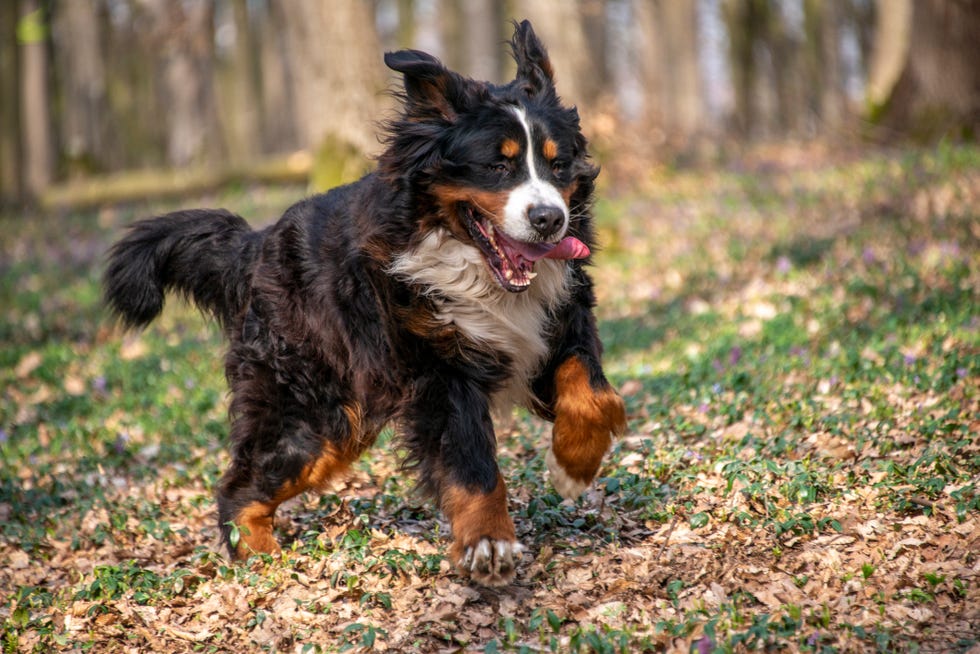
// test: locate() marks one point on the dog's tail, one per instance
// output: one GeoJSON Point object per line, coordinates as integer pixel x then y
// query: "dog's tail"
{"type": "Point", "coordinates": [206, 255]}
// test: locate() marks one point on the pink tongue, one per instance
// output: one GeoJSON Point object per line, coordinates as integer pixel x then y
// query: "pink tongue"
{"type": "Point", "coordinates": [568, 248]}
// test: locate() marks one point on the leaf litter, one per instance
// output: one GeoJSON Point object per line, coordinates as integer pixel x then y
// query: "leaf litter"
{"type": "Point", "coordinates": [799, 352]}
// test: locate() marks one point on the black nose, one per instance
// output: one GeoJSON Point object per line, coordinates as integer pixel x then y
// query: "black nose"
{"type": "Point", "coordinates": [546, 219]}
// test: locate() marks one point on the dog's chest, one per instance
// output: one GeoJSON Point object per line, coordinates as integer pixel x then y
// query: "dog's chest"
{"type": "Point", "coordinates": [515, 325]}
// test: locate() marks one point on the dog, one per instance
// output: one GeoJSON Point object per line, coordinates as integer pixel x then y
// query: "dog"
{"type": "Point", "coordinates": [448, 283]}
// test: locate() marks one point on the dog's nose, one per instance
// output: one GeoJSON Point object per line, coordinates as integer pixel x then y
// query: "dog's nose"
{"type": "Point", "coordinates": [546, 219]}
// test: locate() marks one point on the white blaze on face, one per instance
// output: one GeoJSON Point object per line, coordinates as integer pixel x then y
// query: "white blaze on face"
{"type": "Point", "coordinates": [533, 192]}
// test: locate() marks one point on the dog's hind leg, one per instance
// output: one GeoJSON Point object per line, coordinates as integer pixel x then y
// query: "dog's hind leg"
{"type": "Point", "coordinates": [267, 472]}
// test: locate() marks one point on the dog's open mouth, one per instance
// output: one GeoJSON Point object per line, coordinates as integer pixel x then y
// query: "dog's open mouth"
{"type": "Point", "coordinates": [512, 261]}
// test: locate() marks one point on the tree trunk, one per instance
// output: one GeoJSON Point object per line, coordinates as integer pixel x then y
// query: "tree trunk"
{"type": "Point", "coordinates": [938, 92]}
{"type": "Point", "coordinates": [745, 21]}
{"type": "Point", "coordinates": [279, 130]}
{"type": "Point", "coordinates": [893, 26]}
{"type": "Point", "coordinates": [243, 114]}
{"type": "Point", "coordinates": [822, 22]}
{"type": "Point", "coordinates": [185, 38]}
{"type": "Point", "coordinates": [35, 98]}
{"type": "Point", "coordinates": [10, 140]}
{"type": "Point", "coordinates": [682, 89]}
{"type": "Point", "coordinates": [559, 24]}
{"type": "Point", "coordinates": [84, 109]}
{"type": "Point", "coordinates": [336, 71]}
{"type": "Point", "coordinates": [482, 51]}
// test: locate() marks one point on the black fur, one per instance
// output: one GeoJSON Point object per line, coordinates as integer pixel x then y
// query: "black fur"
{"type": "Point", "coordinates": [326, 345]}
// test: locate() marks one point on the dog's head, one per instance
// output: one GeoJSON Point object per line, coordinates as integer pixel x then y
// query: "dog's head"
{"type": "Point", "coordinates": [504, 167]}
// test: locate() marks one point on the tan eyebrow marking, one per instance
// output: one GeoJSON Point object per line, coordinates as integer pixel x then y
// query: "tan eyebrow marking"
{"type": "Point", "coordinates": [510, 148]}
{"type": "Point", "coordinates": [549, 149]}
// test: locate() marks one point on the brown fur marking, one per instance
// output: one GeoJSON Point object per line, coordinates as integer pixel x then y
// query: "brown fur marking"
{"type": "Point", "coordinates": [585, 419]}
{"type": "Point", "coordinates": [510, 148]}
{"type": "Point", "coordinates": [549, 149]}
{"type": "Point", "coordinates": [257, 517]}
{"type": "Point", "coordinates": [568, 192]}
{"type": "Point", "coordinates": [256, 536]}
{"type": "Point", "coordinates": [476, 515]}
{"type": "Point", "coordinates": [490, 204]}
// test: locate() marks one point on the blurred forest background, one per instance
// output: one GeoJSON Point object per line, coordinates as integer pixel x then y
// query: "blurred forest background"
{"type": "Point", "coordinates": [241, 89]}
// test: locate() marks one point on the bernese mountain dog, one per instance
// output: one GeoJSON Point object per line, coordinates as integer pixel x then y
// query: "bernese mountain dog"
{"type": "Point", "coordinates": [448, 284]}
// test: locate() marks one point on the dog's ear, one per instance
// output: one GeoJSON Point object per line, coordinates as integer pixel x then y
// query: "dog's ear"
{"type": "Point", "coordinates": [431, 89]}
{"type": "Point", "coordinates": [534, 69]}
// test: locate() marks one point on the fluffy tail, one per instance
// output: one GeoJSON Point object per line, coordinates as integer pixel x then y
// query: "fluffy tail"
{"type": "Point", "coordinates": [206, 255]}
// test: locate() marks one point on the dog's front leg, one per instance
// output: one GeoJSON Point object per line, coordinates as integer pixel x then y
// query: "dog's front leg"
{"type": "Point", "coordinates": [587, 414]}
{"type": "Point", "coordinates": [451, 435]}
{"type": "Point", "coordinates": [484, 542]}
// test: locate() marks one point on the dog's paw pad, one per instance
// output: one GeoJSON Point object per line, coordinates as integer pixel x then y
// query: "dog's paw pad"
{"type": "Point", "coordinates": [566, 485]}
{"type": "Point", "coordinates": [491, 562]}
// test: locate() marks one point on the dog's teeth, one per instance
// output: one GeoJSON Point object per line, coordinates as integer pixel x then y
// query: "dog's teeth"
{"type": "Point", "coordinates": [531, 275]}
{"type": "Point", "coordinates": [508, 274]}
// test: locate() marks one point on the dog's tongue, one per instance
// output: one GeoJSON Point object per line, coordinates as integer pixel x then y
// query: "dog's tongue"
{"type": "Point", "coordinates": [568, 248]}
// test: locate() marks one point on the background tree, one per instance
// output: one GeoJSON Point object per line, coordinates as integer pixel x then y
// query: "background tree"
{"type": "Point", "coordinates": [35, 102]}
{"type": "Point", "coordinates": [938, 90]}
{"type": "Point", "coordinates": [670, 66]}
{"type": "Point", "coordinates": [82, 81]}
{"type": "Point", "coordinates": [184, 34]}
{"type": "Point", "coordinates": [337, 81]}
{"type": "Point", "coordinates": [11, 153]}
{"type": "Point", "coordinates": [117, 85]}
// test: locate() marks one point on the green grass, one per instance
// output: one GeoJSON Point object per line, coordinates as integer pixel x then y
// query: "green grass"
{"type": "Point", "coordinates": [799, 350]}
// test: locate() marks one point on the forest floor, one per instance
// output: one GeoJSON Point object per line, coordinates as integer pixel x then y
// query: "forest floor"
{"type": "Point", "coordinates": [797, 336]}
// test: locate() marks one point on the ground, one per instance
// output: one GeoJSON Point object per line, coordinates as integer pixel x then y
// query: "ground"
{"type": "Point", "coordinates": [796, 334]}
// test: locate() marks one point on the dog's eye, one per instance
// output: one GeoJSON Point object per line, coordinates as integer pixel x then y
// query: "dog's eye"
{"type": "Point", "coordinates": [500, 167]}
{"type": "Point", "coordinates": [557, 167]}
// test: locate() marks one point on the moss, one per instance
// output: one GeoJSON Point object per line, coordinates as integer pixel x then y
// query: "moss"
{"type": "Point", "coordinates": [336, 162]}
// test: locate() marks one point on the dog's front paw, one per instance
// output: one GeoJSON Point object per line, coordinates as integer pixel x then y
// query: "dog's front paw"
{"type": "Point", "coordinates": [490, 562]}
{"type": "Point", "coordinates": [566, 485]}
{"type": "Point", "coordinates": [586, 419]}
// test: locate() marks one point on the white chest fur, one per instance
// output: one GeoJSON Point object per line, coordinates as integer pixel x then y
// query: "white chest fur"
{"type": "Point", "coordinates": [465, 294]}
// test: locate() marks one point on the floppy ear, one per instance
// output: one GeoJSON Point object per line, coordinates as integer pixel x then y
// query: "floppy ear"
{"type": "Point", "coordinates": [533, 65]}
{"type": "Point", "coordinates": [431, 89]}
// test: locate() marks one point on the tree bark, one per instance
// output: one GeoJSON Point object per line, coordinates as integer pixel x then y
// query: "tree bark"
{"type": "Point", "coordinates": [559, 24]}
{"type": "Point", "coordinates": [823, 32]}
{"type": "Point", "coordinates": [482, 51]}
{"type": "Point", "coordinates": [938, 92]}
{"type": "Point", "coordinates": [893, 27]}
{"type": "Point", "coordinates": [82, 78]}
{"type": "Point", "coordinates": [243, 113]}
{"type": "Point", "coordinates": [745, 20]}
{"type": "Point", "coordinates": [185, 38]}
{"type": "Point", "coordinates": [684, 113]}
{"type": "Point", "coordinates": [336, 71]}
{"type": "Point", "coordinates": [279, 130]}
{"type": "Point", "coordinates": [35, 99]}
{"type": "Point", "coordinates": [10, 140]}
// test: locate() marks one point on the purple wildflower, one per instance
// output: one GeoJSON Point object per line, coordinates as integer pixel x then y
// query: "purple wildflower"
{"type": "Point", "coordinates": [119, 446]}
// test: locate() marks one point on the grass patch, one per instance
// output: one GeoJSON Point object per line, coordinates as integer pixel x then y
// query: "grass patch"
{"type": "Point", "coordinates": [799, 350]}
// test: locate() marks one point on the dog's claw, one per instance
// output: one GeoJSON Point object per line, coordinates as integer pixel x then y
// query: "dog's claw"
{"type": "Point", "coordinates": [491, 562]}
